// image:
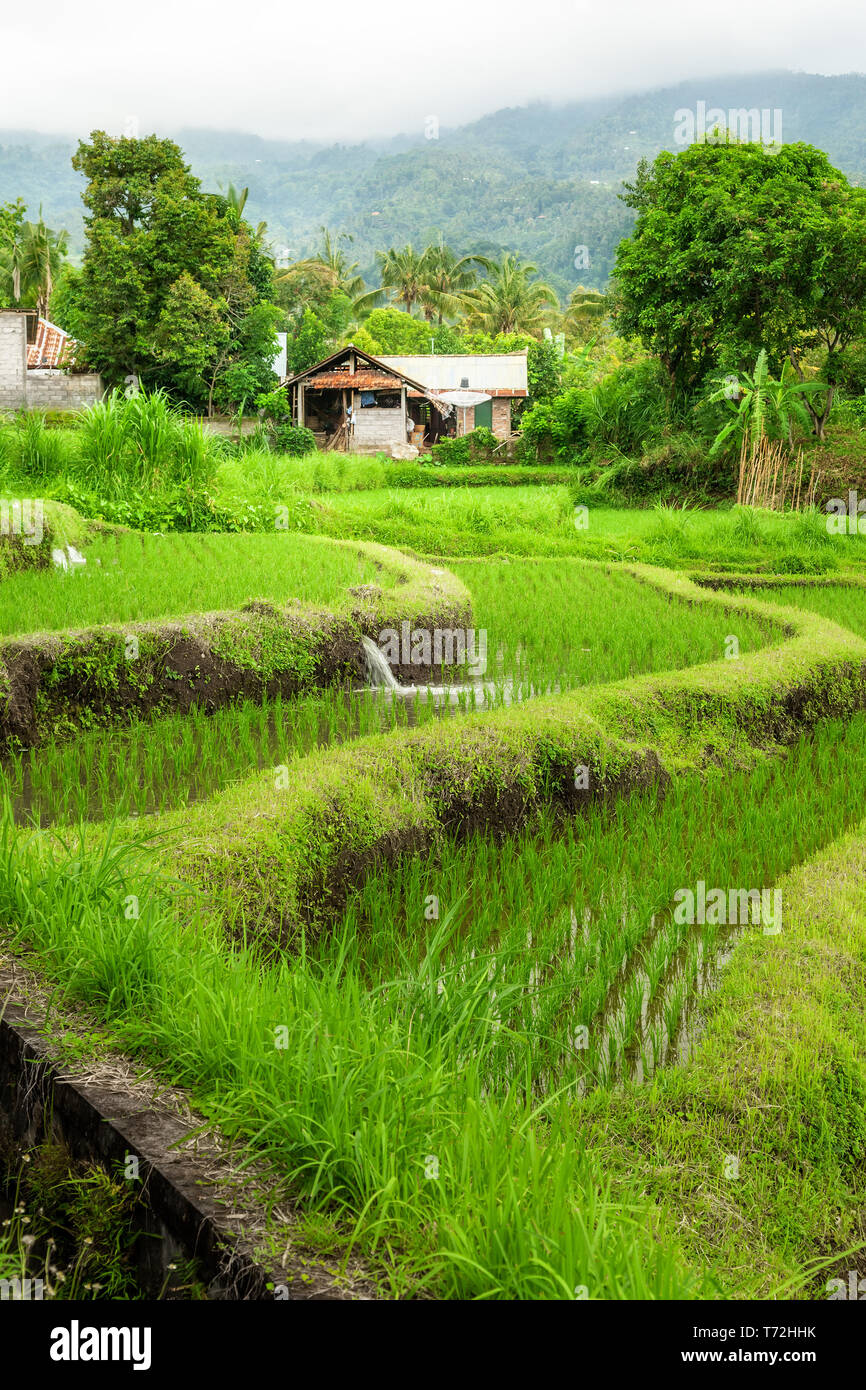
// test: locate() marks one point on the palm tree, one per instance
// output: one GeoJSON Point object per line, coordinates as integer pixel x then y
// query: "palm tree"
{"type": "Point", "coordinates": [448, 280]}
{"type": "Point", "coordinates": [404, 273]}
{"type": "Point", "coordinates": [583, 305]}
{"type": "Point", "coordinates": [31, 264]}
{"type": "Point", "coordinates": [511, 301]}
{"type": "Point", "coordinates": [329, 270]}
{"type": "Point", "coordinates": [237, 201]}
{"type": "Point", "coordinates": [237, 198]}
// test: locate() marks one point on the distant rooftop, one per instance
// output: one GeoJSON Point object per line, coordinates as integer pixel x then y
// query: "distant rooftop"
{"type": "Point", "coordinates": [495, 373]}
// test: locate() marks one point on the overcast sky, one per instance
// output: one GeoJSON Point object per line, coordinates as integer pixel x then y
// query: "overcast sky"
{"type": "Point", "coordinates": [342, 70]}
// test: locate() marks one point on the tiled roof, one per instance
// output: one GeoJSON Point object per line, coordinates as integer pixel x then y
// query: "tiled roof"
{"type": "Point", "coordinates": [354, 381]}
{"type": "Point", "coordinates": [52, 348]}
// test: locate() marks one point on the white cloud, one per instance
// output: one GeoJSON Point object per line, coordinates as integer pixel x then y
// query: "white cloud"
{"type": "Point", "coordinates": [337, 72]}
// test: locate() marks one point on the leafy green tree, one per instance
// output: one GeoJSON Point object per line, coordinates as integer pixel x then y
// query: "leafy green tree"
{"type": "Point", "coordinates": [543, 370]}
{"type": "Point", "coordinates": [190, 333]}
{"type": "Point", "coordinates": [391, 331]}
{"type": "Point", "coordinates": [170, 274]}
{"type": "Point", "coordinates": [312, 341]}
{"type": "Point", "coordinates": [736, 248]}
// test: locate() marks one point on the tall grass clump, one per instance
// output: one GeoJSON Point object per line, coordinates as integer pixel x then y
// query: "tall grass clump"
{"type": "Point", "coordinates": [32, 451]}
{"type": "Point", "coordinates": [142, 443]}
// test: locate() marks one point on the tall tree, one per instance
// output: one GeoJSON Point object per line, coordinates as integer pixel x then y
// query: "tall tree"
{"type": "Point", "coordinates": [511, 301]}
{"type": "Point", "coordinates": [403, 272]}
{"type": "Point", "coordinates": [309, 283]}
{"type": "Point", "coordinates": [736, 248]}
{"type": "Point", "coordinates": [170, 274]}
{"type": "Point", "coordinates": [43, 254]}
{"type": "Point", "coordinates": [447, 280]}
{"type": "Point", "coordinates": [31, 256]}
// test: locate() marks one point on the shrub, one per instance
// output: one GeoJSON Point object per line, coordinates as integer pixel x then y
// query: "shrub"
{"type": "Point", "coordinates": [805, 562]}
{"type": "Point", "coordinates": [294, 440]}
{"type": "Point", "coordinates": [629, 408]}
{"type": "Point", "coordinates": [555, 429]}
{"type": "Point", "coordinates": [478, 444]}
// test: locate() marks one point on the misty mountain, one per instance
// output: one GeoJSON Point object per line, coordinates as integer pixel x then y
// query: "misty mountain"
{"type": "Point", "coordinates": [541, 180]}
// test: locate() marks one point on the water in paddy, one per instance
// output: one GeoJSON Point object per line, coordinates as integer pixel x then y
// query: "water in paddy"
{"type": "Point", "coordinates": [192, 773]}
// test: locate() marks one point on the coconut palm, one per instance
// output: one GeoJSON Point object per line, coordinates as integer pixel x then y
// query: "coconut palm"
{"type": "Point", "coordinates": [403, 272]}
{"type": "Point", "coordinates": [31, 263]}
{"type": "Point", "coordinates": [584, 305]}
{"type": "Point", "coordinates": [329, 270]}
{"type": "Point", "coordinates": [448, 279]}
{"type": "Point", "coordinates": [511, 301]}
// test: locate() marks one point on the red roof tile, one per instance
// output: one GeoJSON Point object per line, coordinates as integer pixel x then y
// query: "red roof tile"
{"type": "Point", "coordinates": [52, 348]}
{"type": "Point", "coordinates": [354, 381]}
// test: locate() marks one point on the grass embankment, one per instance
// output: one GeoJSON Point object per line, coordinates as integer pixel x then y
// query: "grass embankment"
{"type": "Point", "coordinates": [555, 623]}
{"type": "Point", "coordinates": [390, 1070]}
{"type": "Point", "coordinates": [283, 854]}
{"type": "Point", "coordinates": [129, 669]}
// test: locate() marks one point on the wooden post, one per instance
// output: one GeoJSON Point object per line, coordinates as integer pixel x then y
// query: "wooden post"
{"type": "Point", "coordinates": [300, 402]}
{"type": "Point", "coordinates": [403, 409]}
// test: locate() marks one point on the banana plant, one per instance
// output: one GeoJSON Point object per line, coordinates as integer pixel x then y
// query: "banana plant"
{"type": "Point", "coordinates": [763, 404]}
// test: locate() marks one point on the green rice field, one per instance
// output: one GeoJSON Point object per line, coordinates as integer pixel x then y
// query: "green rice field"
{"type": "Point", "coordinates": [551, 625]}
{"type": "Point", "coordinates": [134, 576]}
{"type": "Point", "coordinates": [498, 1063]}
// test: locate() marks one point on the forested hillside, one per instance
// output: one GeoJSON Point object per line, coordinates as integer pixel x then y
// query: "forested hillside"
{"type": "Point", "coordinates": [539, 180]}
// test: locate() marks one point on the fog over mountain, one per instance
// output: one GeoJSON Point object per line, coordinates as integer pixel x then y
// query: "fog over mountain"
{"type": "Point", "coordinates": [541, 179]}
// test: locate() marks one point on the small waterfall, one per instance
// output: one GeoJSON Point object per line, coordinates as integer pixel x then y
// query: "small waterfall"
{"type": "Point", "coordinates": [378, 670]}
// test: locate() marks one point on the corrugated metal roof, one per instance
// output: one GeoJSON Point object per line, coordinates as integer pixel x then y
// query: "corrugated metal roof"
{"type": "Point", "coordinates": [497, 374]}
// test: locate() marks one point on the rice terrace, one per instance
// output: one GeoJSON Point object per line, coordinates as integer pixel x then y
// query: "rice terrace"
{"type": "Point", "coordinates": [433, 719]}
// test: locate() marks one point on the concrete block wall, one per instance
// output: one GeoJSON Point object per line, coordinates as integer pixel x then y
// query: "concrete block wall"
{"type": "Point", "coordinates": [21, 389]}
{"type": "Point", "coordinates": [13, 361]}
{"type": "Point", "coordinates": [55, 390]}
{"type": "Point", "coordinates": [378, 427]}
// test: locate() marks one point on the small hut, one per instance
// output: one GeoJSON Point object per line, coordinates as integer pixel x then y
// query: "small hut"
{"type": "Point", "coordinates": [367, 405]}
